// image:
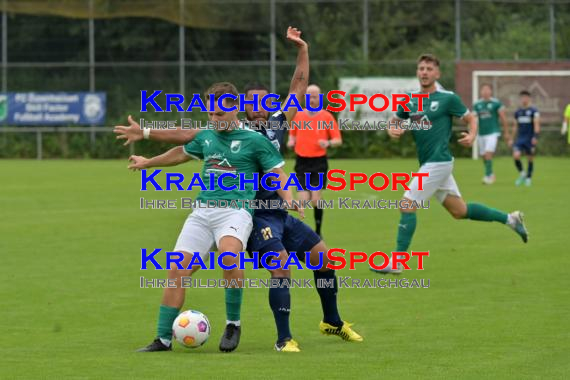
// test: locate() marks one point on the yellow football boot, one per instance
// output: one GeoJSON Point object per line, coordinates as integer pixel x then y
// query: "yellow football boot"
{"type": "Point", "coordinates": [345, 331]}
{"type": "Point", "coordinates": [290, 345]}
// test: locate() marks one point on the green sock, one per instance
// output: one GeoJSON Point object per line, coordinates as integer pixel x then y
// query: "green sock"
{"type": "Point", "coordinates": [488, 167]}
{"type": "Point", "coordinates": [406, 230]}
{"type": "Point", "coordinates": [233, 303]}
{"type": "Point", "coordinates": [477, 211]}
{"type": "Point", "coordinates": [166, 317]}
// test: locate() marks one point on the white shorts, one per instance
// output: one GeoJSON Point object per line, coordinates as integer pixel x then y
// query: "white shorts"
{"type": "Point", "coordinates": [440, 183]}
{"type": "Point", "coordinates": [205, 227]}
{"type": "Point", "coordinates": [488, 143]}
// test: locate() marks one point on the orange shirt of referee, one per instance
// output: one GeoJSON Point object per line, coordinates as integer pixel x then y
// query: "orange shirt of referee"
{"type": "Point", "coordinates": [310, 142]}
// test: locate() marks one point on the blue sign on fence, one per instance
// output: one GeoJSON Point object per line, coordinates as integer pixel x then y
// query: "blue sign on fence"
{"type": "Point", "coordinates": [52, 108]}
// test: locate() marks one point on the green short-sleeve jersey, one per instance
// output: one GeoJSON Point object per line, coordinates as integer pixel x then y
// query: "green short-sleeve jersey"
{"type": "Point", "coordinates": [236, 151]}
{"type": "Point", "coordinates": [432, 145]}
{"type": "Point", "coordinates": [488, 115]}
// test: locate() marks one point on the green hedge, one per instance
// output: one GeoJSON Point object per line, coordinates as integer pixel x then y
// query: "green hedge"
{"type": "Point", "coordinates": [357, 144]}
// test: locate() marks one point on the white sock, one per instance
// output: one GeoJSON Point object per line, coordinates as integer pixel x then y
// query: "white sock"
{"type": "Point", "coordinates": [511, 220]}
{"type": "Point", "coordinates": [236, 323]}
{"type": "Point", "coordinates": [166, 342]}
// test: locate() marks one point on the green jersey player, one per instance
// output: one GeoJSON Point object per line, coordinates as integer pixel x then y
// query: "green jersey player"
{"type": "Point", "coordinates": [432, 145]}
{"type": "Point", "coordinates": [232, 150]}
{"type": "Point", "coordinates": [489, 112]}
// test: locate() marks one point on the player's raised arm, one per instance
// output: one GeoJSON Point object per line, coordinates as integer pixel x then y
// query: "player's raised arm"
{"type": "Point", "coordinates": [173, 157]}
{"type": "Point", "coordinates": [467, 138]}
{"type": "Point", "coordinates": [300, 79]}
{"type": "Point", "coordinates": [286, 195]}
{"type": "Point", "coordinates": [134, 132]}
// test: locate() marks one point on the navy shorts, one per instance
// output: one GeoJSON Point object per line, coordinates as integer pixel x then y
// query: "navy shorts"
{"type": "Point", "coordinates": [525, 146]}
{"type": "Point", "coordinates": [276, 230]}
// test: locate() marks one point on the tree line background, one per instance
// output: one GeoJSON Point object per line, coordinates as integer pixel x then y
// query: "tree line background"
{"type": "Point", "coordinates": [49, 53]}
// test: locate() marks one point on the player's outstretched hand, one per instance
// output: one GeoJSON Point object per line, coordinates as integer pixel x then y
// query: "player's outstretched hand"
{"type": "Point", "coordinates": [324, 143]}
{"type": "Point", "coordinates": [294, 35]}
{"type": "Point", "coordinates": [131, 133]}
{"type": "Point", "coordinates": [137, 162]}
{"type": "Point", "coordinates": [466, 139]}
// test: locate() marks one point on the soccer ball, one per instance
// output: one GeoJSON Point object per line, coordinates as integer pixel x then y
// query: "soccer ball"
{"type": "Point", "coordinates": [191, 328]}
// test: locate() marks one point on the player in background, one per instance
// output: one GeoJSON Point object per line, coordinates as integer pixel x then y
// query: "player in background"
{"type": "Point", "coordinates": [232, 150]}
{"type": "Point", "coordinates": [566, 122]}
{"type": "Point", "coordinates": [489, 111]}
{"type": "Point", "coordinates": [274, 230]}
{"type": "Point", "coordinates": [432, 146]}
{"type": "Point", "coordinates": [311, 149]}
{"type": "Point", "coordinates": [527, 119]}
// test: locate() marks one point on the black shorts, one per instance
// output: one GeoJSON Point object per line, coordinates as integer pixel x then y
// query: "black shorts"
{"type": "Point", "coordinates": [313, 166]}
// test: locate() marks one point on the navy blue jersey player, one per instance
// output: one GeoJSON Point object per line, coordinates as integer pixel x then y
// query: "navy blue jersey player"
{"type": "Point", "coordinates": [274, 230]}
{"type": "Point", "coordinates": [524, 137]}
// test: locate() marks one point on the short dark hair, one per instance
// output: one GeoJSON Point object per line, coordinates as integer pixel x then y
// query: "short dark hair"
{"type": "Point", "coordinates": [426, 57]}
{"type": "Point", "coordinates": [221, 88]}
{"type": "Point", "coordinates": [486, 85]}
{"type": "Point", "coordinates": [524, 92]}
{"type": "Point", "coordinates": [254, 86]}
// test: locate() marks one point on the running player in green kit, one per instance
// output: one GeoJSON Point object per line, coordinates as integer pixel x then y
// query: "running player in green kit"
{"type": "Point", "coordinates": [489, 111]}
{"type": "Point", "coordinates": [432, 146]}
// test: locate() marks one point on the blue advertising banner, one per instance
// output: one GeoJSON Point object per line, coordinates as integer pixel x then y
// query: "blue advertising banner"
{"type": "Point", "coordinates": [52, 108]}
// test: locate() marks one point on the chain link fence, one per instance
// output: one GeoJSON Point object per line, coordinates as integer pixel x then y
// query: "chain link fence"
{"type": "Point", "coordinates": [123, 47]}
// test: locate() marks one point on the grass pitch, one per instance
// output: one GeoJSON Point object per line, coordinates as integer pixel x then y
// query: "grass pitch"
{"type": "Point", "coordinates": [70, 240]}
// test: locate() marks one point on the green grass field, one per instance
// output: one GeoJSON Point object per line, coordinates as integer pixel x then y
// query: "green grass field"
{"type": "Point", "coordinates": [70, 240]}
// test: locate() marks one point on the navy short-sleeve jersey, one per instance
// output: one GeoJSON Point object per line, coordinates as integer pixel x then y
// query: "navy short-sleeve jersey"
{"type": "Point", "coordinates": [276, 135]}
{"type": "Point", "coordinates": [525, 120]}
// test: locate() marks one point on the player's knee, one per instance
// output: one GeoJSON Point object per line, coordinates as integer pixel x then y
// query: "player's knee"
{"type": "Point", "coordinates": [280, 273]}
{"type": "Point", "coordinates": [281, 260]}
{"type": "Point", "coordinates": [303, 195]}
{"type": "Point", "coordinates": [230, 261]}
{"type": "Point", "coordinates": [175, 272]}
{"type": "Point", "coordinates": [318, 254]}
{"type": "Point", "coordinates": [407, 206]}
{"type": "Point", "coordinates": [230, 244]}
{"type": "Point", "coordinates": [458, 212]}
{"type": "Point", "coordinates": [457, 215]}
